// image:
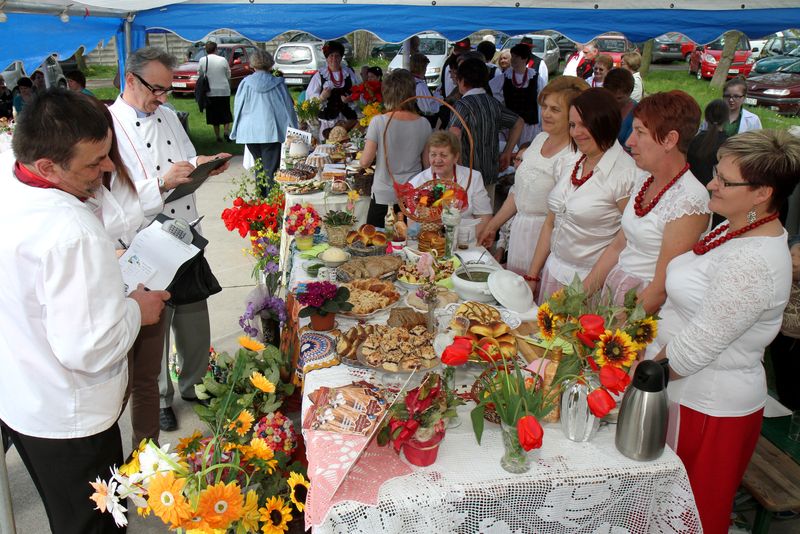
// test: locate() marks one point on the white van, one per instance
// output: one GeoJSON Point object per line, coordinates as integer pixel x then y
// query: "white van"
{"type": "Point", "coordinates": [436, 48]}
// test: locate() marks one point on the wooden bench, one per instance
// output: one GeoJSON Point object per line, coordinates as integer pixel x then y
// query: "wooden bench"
{"type": "Point", "coordinates": [773, 479]}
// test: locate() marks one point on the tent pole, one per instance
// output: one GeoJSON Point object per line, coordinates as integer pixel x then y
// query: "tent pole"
{"type": "Point", "coordinates": [7, 525]}
{"type": "Point", "coordinates": [127, 30]}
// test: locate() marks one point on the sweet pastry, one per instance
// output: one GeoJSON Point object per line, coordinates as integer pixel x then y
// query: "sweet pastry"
{"type": "Point", "coordinates": [371, 295]}
{"type": "Point", "coordinates": [406, 318]}
{"type": "Point", "coordinates": [479, 312]}
{"type": "Point", "coordinates": [443, 298]}
{"type": "Point", "coordinates": [395, 349]}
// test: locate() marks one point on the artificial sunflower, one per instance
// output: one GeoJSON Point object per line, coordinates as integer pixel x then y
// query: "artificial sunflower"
{"type": "Point", "coordinates": [261, 382]}
{"type": "Point", "coordinates": [165, 498]}
{"type": "Point", "coordinates": [251, 344]}
{"type": "Point", "coordinates": [275, 516]}
{"type": "Point", "coordinates": [615, 349]}
{"type": "Point", "coordinates": [242, 423]}
{"type": "Point", "coordinates": [191, 444]}
{"type": "Point", "coordinates": [643, 332]}
{"type": "Point", "coordinates": [298, 489]}
{"type": "Point", "coordinates": [547, 322]}
{"type": "Point", "coordinates": [250, 515]}
{"type": "Point", "coordinates": [220, 505]}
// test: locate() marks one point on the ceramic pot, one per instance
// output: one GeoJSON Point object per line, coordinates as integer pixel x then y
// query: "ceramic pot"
{"type": "Point", "coordinates": [322, 323]}
{"type": "Point", "coordinates": [423, 453]}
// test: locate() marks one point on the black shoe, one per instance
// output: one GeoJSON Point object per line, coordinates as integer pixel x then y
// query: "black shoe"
{"type": "Point", "coordinates": [227, 138]}
{"type": "Point", "coordinates": [202, 402]}
{"type": "Point", "coordinates": [167, 420]}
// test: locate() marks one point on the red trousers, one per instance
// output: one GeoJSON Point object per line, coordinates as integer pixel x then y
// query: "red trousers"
{"type": "Point", "coordinates": [715, 452]}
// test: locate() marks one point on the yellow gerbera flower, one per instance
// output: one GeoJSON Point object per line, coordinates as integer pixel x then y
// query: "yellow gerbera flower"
{"type": "Point", "coordinates": [259, 449]}
{"type": "Point", "coordinates": [190, 444]}
{"type": "Point", "coordinates": [165, 497]}
{"type": "Point", "coordinates": [275, 516]}
{"type": "Point", "coordinates": [298, 490]}
{"type": "Point", "coordinates": [132, 466]}
{"type": "Point", "coordinates": [250, 515]}
{"type": "Point", "coordinates": [221, 504]}
{"type": "Point", "coordinates": [644, 332]}
{"type": "Point", "coordinates": [261, 382]}
{"type": "Point", "coordinates": [547, 322]}
{"type": "Point", "coordinates": [242, 423]}
{"type": "Point", "coordinates": [615, 349]}
{"type": "Point", "coordinates": [251, 344]}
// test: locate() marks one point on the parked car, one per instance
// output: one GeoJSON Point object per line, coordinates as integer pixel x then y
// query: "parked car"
{"type": "Point", "coordinates": [299, 62]}
{"type": "Point", "coordinates": [566, 46]}
{"type": "Point", "coordinates": [780, 44]}
{"type": "Point", "coordinates": [436, 48]}
{"type": "Point", "coordinates": [305, 37]}
{"type": "Point", "coordinates": [544, 47]}
{"type": "Point", "coordinates": [184, 77]}
{"type": "Point", "coordinates": [773, 63]}
{"type": "Point", "coordinates": [704, 59]}
{"type": "Point", "coordinates": [53, 75]}
{"type": "Point", "coordinates": [672, 46]}
{"type": "Point", "coordinates": [778, 91]}
{"type": "Point", "coordinates": [193, 48]}
{"type": "Point", "coordinates": [615, 45]}
{"type": "Point", "coordinates": [385, 50]}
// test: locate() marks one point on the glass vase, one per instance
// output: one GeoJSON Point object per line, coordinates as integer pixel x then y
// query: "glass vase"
{"type": "Point", "coordinates": [270, 329]}
{"type": "Point", "coordinates": [577, 420]}
{"type": "Point", "coordinates": [449, 377]}
{"type": "Point", "coordinates": [515, 459]}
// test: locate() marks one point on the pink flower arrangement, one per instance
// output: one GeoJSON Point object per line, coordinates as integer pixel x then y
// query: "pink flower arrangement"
{"type": "Point", "coordinates": [301, 220]}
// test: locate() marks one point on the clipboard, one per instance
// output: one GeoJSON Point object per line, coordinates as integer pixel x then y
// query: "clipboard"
{"type": "Point", "coordinates": [199, 175]}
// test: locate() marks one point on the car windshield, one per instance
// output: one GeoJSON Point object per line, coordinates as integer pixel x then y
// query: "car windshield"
{"type": "Point", "coordinates": [200, 54]}
{"type": "Point", "coordinates": [538, 43]}
{"type": "Point", "coordinates": [292, 55]}
{"type": "Point", "coordinates": [432, 46]}
{"type": "Point", "coordinates": [611, 45]}
{"type": "Point", "coordinates": [720, 43]}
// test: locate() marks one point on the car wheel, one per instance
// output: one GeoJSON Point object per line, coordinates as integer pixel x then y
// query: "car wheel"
{"type": "Point", "coordinates": [688, 57]}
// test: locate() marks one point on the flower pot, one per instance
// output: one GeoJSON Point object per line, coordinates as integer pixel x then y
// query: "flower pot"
{"type": "Point", "coordinates": [577, 420]}
{"type": "Point", "coordinates": [337, 235]}
{"type": "Point", "coordinates": [304, 242]}
{"type": "Point", "coordinates": [423, 453]}
{"type": "Point", "coordinates": [322, 323]}
{"type": "Point", "coordinates": [515, 459]}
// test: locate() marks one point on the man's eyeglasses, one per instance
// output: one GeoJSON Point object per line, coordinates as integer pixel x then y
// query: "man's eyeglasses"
{"type": "Point", "coordinates": [155, 90]}
{"type": "Point", "coordinates": [725, 183]}
{"type": "Point", "coordinates": [732, 97]}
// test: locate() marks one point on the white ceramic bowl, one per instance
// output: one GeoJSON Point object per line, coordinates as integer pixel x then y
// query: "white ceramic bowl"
{"type": "Point", "coordinates": [469, 290]}
{"type": "Point", "coordinates": [329, 263]}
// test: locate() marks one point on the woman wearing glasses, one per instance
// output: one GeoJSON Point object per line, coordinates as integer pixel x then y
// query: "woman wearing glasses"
{"type": "Point", "coordinates": [725, 304]}
{"type": "Point", "coordinates": [740, 119]}
{"type": "Point", "coordinates": [535, 175]}
{"type": "Point", "coordinates": [669, 207]}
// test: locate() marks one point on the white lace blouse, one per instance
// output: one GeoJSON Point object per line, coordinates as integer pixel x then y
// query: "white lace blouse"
{"type": "Point", "coordinates": [645, 234]}
{"type": "Point", "coordinates": [588, 218]}
{"type": "Point", "coordinates": [536, 177]}
{"type": "Point", "coordinates": [723, 308]}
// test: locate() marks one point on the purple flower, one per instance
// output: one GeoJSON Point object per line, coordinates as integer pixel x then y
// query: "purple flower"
{"type": "Point", "coordinates": [271, 267]}
{"type": "Point", "coordinates": [272, 250]}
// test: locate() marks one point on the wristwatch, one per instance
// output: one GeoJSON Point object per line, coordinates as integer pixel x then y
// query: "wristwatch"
{"type": "Point", "coordinates": [162, 184]}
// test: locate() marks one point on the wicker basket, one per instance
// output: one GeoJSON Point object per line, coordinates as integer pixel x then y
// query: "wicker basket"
{"type": "Point", "coordinates": [337, 235]}
{"type": "Point", "coordinates": [362, 183]}
{"type": "Point", "coordinates": [407, 196]}
{"type": "Point", "coordinates": [358, 249]}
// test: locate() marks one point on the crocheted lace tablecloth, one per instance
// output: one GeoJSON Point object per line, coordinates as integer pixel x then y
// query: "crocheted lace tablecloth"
{"type": "Point", "coordinates": [571, 488]}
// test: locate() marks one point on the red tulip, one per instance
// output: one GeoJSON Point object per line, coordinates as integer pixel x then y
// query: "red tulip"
{"type": "Point", "coordinates": [600, 402]}
{"type": "Point", "coordinates": [592, 327]}
{"type": "Point", "coordinates": [458, 352]}
{"type": "Point", "coordinates": [614, 379]}
{"type": "Point", "coordinates": [529, 432]}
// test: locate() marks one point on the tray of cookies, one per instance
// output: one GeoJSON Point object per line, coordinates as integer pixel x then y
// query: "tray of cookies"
{"type": "Point", "coordinates": [398, 350]}
{"type": "Point", "coordinates": [371, 296]}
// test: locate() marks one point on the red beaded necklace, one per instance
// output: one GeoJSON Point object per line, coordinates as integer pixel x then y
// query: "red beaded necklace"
{"type": "Point", "coordinates": [577, 182]}
{"type": "Point", "coordinates": [637, 203]}
{"type": "Point", "coordinates": [709, 242]}
{"type": "Point", "coordinates": [334, 81]}
{"type": "Point", "coordinates": [514, 79]}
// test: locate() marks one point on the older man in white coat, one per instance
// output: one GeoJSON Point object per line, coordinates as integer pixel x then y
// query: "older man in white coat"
{"type": "Point", "coordinates": [159, 157]}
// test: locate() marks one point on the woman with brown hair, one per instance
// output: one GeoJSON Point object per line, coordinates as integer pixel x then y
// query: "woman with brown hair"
{"type": "Point", "coordinates": [586, 204]}
{"type": "Point", "coordinates": [405, 143]}
{"type": "Point", "coordinates": [670, 207]}
{"type": "Point", "coordinates": [535, 176]}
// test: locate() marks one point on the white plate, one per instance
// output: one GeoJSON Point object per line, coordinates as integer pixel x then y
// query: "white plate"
{"type": "Point", "coordinates": [507, 316]}
{"type": "Point", "coordinates": [292, 80]}
{"type": "Point", "coordinates": [370, 315]}
{"type": "Point", "coordinates": [178, 84]}
{"type": "Point", "coordinates": [751, 101]}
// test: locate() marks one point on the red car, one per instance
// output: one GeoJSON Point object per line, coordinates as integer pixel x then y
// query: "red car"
{"type": "Point", "coordinates": [184, 77]}
{"type": "Point", "coordinates": [778, 91]}
{"type": "Point", "coordinates": [704, 59]}
{"type": "Point", "coordinates": [615, 46]}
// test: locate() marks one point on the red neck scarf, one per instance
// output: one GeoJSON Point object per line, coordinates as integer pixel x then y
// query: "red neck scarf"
{"type": "Point", "coordinates": [30, 178]}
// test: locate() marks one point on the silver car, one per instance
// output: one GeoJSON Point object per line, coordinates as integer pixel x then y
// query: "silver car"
{"type": "Point", "coordinates": [544, 47]}
{"type": "Point", "coordinates": [53, 75]}
{"type": "Point", "coordinates": [300, 61]}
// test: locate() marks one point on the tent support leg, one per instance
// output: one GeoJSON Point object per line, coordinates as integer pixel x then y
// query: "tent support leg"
{"type": "Point", "coordinates": [7, 525]}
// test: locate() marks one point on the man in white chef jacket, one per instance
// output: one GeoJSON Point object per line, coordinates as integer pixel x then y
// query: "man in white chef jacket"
{"type": "Point", "coordinates": [159, 157]}
{"type": "Point", "coordinates": [65, 323]}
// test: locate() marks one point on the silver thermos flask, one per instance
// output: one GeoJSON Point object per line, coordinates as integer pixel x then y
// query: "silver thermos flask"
{"type": "Point", "coordinates": [642, 422]}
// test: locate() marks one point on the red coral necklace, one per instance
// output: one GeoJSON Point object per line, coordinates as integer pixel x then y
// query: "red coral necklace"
{"type": "Point", "coordinates": [640, 210]}
{"type": "Point", "coordinates": [334, 81]}
{"type": "Point", "coordinates": [577, 182]}
{"type": "Point", "coordinates": [709, 242]}
{"type": "Point", "coordinates": [514, 79]}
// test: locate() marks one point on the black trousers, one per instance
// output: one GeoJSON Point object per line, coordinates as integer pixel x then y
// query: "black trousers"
{"type": "Point", "coordinates": [61, 469]}
{"type": "Point", "coordinates": [270, 156]}
{"type": "Point", "coordinates": [785, 354]}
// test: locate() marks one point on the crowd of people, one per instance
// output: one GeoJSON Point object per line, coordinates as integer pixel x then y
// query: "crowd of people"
{"type": "Point", "coordinates": [611, 186]}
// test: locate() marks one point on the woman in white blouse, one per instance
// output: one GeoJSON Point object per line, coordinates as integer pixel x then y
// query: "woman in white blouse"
{"type": "Point", "coordinates": [332, 84]}
{"type": "Point", "coordinates": [669, 209]}
{"type": "Point", "coordinates": [725, 301]}
{"type": "Point", "coordinates": [586, 204]}
{"type": "Point", "coordinates": [536, 176]}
